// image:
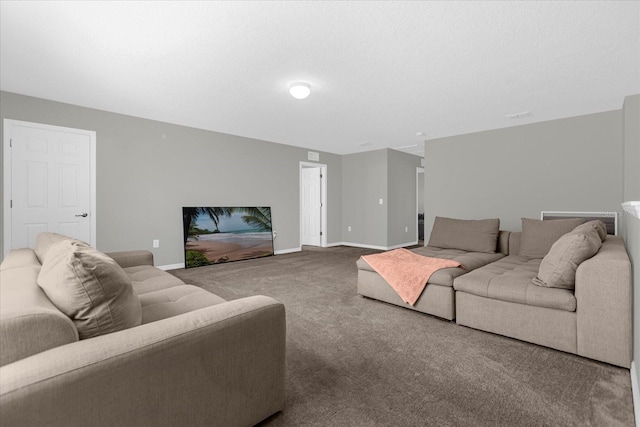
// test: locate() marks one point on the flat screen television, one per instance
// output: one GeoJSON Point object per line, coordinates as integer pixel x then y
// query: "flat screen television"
{"type": "Point", "coordinates": [214, 235]}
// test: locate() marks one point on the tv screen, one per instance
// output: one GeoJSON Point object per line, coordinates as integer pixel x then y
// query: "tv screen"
{"type": "Point", "coordinates": [214, 235]}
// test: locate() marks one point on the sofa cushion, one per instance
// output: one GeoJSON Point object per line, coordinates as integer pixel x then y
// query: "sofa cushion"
{"type": "Point", "coordinates": [169, 302]}
{"type": "Point", "coordinates": [90, 288]}
{"type": "Point", "coordinates": [46, 240]}
{"type": "Point", "coordinates": [467, 235]}
{"type": "Point", "coordinates": [146, 278]}
{"type": "Point", "coordinates": [445, 276]}
{"type": "Point", "coordinates": [558, 267]}
{"type": "Point", "coordinates": [510, 279]}
{"type": "Point", "coordinates": [538, 236]}
{"type": "Point", "coordinates": [470, 261]}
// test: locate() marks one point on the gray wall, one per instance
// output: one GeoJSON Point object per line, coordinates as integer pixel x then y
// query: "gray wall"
{"type": "Point", "coordinates": [402, 198]}
{"type": "Point", "coordinates": [367, 177]}
{"type": "Point", "coordinates": [631, 121]}
{"type": "Point", "coordinates": [631, 129]}
{"type": "Point", "coordinates": [572, 164]}
{"type": "Point", "coordinates": [144, 179]}
{"type": "Point", "coordinates": [364, 182]}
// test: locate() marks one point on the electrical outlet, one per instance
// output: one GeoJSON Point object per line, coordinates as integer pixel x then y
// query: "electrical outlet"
{"type": "Point", "coordinates": [275, 234]}
{"type": "Point", "coordinates": [156, 243]}
{"type": "Point", "coordinates": [406, 229]}
{"type": "Point", "coordinates": [349, 228]}
{"type": "Point", "coordinates": [381, 201]}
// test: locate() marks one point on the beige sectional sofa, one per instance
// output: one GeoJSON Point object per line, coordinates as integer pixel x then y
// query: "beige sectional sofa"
{"type": "Point", "coordinates": [438, 298]}
{"type": "Point", "coordinates": [180, 355]}
{"type": "Point", "coordinates": [591, 317]}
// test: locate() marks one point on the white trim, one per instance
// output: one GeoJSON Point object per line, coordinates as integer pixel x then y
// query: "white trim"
{"type": "Point", "coordinates": [635, 392]}
{"type": "Point", "coordinates": [334, 244]}
{"type": "Point", "coordinates": [632, 208]}
{"type": "Point", "coordinates": [181, 265]}
{"type": "Point", "coordinates": [364, 246]}
{"type": "Point", "coordinates": [6, 198]}
{"type": "Point", "coordinates": [323, 197]}
{"type": "Point", "coordinates": [402, 245]}
{"type": "Point", "coordinates": [380, 248]}
{"type": "Point", "coordinates": [287, 251]}
{"type": "Point", "coordinates": [8, 124]}
{"type": "Point", "coordinates": [613, 215]}
{"type": "Point", "coordinates": [171, 266]}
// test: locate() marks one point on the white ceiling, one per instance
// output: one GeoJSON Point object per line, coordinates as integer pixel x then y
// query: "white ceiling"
{"type": "Point", "coordinates": [379, 71]}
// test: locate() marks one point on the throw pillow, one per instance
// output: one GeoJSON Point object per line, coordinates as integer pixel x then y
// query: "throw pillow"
{"type": "Point", "coordinates": [45, 240]}
{"type": "Point", "coordinates": [475, 235]}
{"type": "Point", "coordinates": [90, 288]}
{"type": "Point", "coordinates": [596, 225]}
{"type": "Point", "coordinates": [538, 236]}
{"type": "Point", "coordinates": [558, 267]}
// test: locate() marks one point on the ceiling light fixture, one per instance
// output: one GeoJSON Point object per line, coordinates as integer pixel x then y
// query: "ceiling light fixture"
{"type": "Point", "coordinates": [300, 90]}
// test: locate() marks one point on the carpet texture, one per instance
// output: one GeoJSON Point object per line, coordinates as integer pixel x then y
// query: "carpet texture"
{"type": "Point", "coordinates": [353, 361]}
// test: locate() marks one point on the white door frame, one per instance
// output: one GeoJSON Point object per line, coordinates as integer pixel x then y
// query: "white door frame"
{"type": "Point", "coordinates": [6, 198]}
{"type": "Point", "coordinates": [323, 200]}
{"type": "Point", "coordinates": [418, 172]}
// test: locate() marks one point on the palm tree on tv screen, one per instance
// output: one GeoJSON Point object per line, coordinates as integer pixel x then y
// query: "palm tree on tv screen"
{"type": "Point", "coordinates": [189, 216]}
{"type": "Point", "coordinates": [258, 218]}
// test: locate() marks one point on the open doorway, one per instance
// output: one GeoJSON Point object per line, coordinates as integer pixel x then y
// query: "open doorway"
{"type": "Point", "coordinates": [420, 205]}
{"type": "Point", "coordinates": [313, 204]}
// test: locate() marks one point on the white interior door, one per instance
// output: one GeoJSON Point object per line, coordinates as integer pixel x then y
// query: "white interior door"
{"type": "Point", "coordinates": [51, 183]}
{"type": "Point", "coordinates": [310, 206]}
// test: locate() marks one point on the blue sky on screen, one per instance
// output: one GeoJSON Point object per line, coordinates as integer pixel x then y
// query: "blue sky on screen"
{"type": "Point", "coordinates": [225, 224]}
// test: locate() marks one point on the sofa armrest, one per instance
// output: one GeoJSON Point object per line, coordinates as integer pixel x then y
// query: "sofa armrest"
{"type": "Point", "coordinates": [220, 365]}
{"type": "Point", "coordinates": [604, 297]}
{"type": "Point", "coordinates": [132, 258]}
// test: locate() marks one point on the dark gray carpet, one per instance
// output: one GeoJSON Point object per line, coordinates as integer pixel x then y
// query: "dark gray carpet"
{"type": "Point", "coordinates": [353, 361]}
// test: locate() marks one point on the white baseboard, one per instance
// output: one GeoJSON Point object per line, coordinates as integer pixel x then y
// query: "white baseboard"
{"type": "Point", "coordinates": [359, 245]}
{"type": "Point", "coordinates": [171, 266]}
{"type": "Point", "coordinates": [181, 265]}
{"type": "Point", "coordinates": [635, 392]}
{"type": "Point", "coordinates": [332, 245]}
{"type": "Point", "coordinates": [380, 248]}
{"type": "Point", "coordinates": [287, 251]}
{"type": "Point", "coordinates": [402, 245]}
{"type": "Point", "coordinates": [298, 249]}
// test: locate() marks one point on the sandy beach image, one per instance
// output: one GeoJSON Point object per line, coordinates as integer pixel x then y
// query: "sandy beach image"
{"type": "Point", "coordinates": [223, 248]}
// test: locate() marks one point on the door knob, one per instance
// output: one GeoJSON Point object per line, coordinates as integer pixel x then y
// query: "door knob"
{"type": "Point", "coordinates": [83, 215]}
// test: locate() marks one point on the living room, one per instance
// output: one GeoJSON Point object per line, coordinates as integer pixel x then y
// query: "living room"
{"type": "Point", "coordinates": [148, 167]}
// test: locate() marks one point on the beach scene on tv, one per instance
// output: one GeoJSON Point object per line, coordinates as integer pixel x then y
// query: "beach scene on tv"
{"type": "Point", "coordinates": [214, 235]}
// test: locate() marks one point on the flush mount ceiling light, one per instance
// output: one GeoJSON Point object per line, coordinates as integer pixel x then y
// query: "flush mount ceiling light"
{"type": "Point", "coordinates": [300, 90]}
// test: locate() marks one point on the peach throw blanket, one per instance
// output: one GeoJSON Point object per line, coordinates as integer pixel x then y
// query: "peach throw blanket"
{"type": "Point", "coordinates": [406, 271]}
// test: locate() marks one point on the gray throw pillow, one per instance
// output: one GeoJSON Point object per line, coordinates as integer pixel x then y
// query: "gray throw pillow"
{"type": "Point", "coordinates": [474, 235]}
{"type": "Point", "coordinates": [596, 225]}
{"type": "Point", "coordinates": [90, 288]}
{"type": "Point", "coordinates": [538, 236]}
{"type": "Point", "coordinates": [46, 239]}
{"type": "Point", "coordinates": [558, 267]}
